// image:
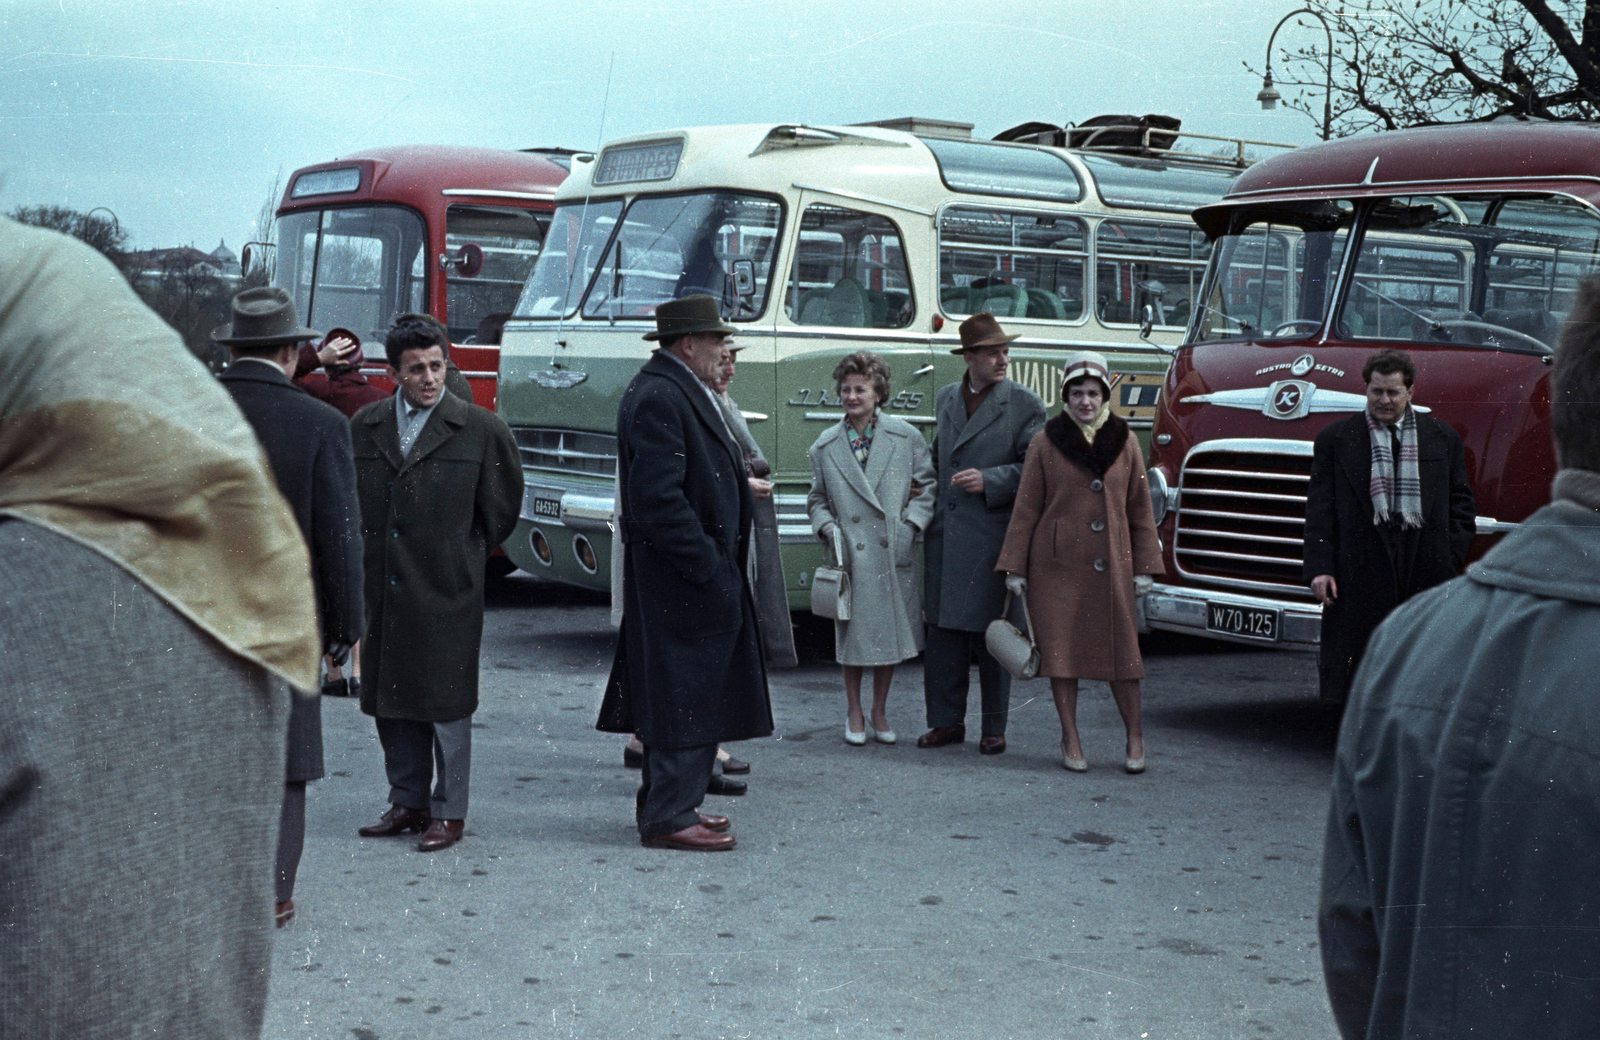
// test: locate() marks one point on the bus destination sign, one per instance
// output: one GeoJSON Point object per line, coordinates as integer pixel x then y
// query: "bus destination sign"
{"type": "Point", "coordinates": [650, 161]}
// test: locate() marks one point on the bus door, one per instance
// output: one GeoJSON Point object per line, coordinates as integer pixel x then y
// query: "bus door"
{"type": "Point", "coordinates": [849, 286]}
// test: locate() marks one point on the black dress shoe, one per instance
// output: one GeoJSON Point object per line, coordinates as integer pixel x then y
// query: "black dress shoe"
{"type": "Point", "coordinates": [355, 685]}
{"type": "Point", "coordinates": [632, 759]}
{"type": "Point", "coordinates": [722, 785]}
{"type": "Point", "coordinates": [992, 745]}
{"type": "Point", "coordinates": [397, 820]}
{"type": "Point", "coordinates": [336, 687]}
{"type": "Point", "coordinates": [734, 767]}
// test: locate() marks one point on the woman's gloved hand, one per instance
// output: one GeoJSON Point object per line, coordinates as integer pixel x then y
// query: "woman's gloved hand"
{"type": "Point", "coordinates": [1142, 583]}
{"type": "Point", "coordinates": [1016, 584]}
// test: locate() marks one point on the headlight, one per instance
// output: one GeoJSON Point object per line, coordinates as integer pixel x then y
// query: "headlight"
{"type": "Point", "coordinates": [1161, 497]}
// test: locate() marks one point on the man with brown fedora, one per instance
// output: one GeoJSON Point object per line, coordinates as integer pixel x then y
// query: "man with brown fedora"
{"type": "Point", "coordinates": [985, 422]}
{"type": "Point", "coordinates": [308, 444]}
{"type": "Point", "coordinates": [688, 670]}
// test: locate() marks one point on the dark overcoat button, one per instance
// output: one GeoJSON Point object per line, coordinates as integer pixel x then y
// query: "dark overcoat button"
{"type": "Point", "coordinates": [855, 519]}
{"type": "Point", "coordinates": [861, 545]}
{"type": "Point", "coordinates": [1097, 525]}
{"type": "Point", "coordinates": [1099, 565]}
{"type": "Point", "coordinates": [1097, 485]}
{"type": "Point", "coordinates": [394, 581]}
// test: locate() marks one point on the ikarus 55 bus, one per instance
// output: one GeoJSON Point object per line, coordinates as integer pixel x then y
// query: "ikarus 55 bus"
{"type": "Point", "coordinates": [820, 241]}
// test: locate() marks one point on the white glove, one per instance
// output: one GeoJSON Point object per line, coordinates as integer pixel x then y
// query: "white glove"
{"type": "Point", "coordinates": [1142, 583]}
{"type": "Point", "coordinates": [1016, 584]}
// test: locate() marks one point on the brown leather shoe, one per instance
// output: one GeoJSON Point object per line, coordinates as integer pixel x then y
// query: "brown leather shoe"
{"type": "Point", "coordinates": [713, 822]}
{"type": "Point", "coordinates": [939, 736]}
{"type": "Point", "coordinates": [441, 834]}
{"type": "Point", "coordinates": [397, 820]}
{"type": "Point", "coordinates": [696, 837]}
{"type": "Point", "coordinates": [283, 912]}
{"type": "Point", "coordinates": [992, 745]}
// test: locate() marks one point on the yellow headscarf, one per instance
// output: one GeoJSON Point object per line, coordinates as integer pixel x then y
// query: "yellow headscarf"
{"type": "Point", "coordinates": [113, 435]}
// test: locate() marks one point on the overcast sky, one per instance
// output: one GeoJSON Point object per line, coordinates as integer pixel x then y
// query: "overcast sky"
{"type": "Point", "coordinates": [178, 116]}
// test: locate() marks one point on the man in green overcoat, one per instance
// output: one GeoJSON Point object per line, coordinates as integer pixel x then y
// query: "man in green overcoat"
{"type": "Point", "coordinates": [440, 485]}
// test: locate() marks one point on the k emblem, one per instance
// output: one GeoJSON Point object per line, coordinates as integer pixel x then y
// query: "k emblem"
{"type": "Point", "coordinates": [1288, 399]}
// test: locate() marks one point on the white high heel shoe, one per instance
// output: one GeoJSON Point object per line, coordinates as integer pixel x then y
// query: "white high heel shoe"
{"type": "Point", "coordinates": [854, 739]}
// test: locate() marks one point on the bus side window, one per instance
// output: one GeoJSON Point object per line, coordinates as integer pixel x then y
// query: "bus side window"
{"type": "Point", "coordinates": [849, 271]}
{"type": "Point", "coordinates": [1155, 265]}
{"type": "Point", "coordinates": [1014, 265]}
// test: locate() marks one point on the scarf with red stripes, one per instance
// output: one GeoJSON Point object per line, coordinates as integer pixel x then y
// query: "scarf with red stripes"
{"type": "Point", "coordinates": [1396, 486]}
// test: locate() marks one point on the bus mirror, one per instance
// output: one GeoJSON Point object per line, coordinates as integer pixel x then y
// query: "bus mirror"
{"type": "Point", "coordinates": [744, 278]}
{"type": "Point", "coordinates": [1147, 322]}
{"type": "Point", "coordinates": [468, 261]}
{"type": "Point", "coordinates": [245, 258]}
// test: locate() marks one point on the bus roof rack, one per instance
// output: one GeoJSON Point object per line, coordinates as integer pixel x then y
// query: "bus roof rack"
{"type": "Point", "coordinates": [922, 126]}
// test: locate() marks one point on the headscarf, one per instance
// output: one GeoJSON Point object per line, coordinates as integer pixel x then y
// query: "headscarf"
{"type": "Point", "coordinates": [113, 435]}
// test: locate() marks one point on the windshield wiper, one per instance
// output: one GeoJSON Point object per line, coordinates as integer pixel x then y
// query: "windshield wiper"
{"type": "Point", "coordinates": [1434, 324]}
{"type": "Point", "coordinates": [1244, 326]}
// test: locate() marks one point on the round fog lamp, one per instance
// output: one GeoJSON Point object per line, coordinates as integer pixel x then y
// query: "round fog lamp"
{"type": "Point", "coordinates": [1160, 495]}
{"type": "Point", "coordinates": [585, 554]}
{"type": "Point", "coordinates": [540, 547]}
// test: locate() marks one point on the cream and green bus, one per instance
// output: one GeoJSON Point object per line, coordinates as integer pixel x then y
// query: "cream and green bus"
{"type": "Point", "coordinates": [822, 240]}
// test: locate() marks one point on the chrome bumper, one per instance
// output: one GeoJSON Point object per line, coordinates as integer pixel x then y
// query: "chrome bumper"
{"type": "Point", "coordinates": [1176, 608]}
{"type": "Point", "coordinates": [585, 510]}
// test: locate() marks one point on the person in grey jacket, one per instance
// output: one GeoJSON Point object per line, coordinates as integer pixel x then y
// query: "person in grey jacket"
{"type": "Point", "coordinates": [985, 422]}
{"type": "Point", "coordinates": [870, 475]}
{"type": "Point", "coordinates": [1458, 882]}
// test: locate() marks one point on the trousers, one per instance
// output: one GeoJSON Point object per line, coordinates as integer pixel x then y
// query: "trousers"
{"type": "Point", "coordinates": [946, 676]}
{"type": "Point", "coordinates": [672, 786]}
{"type": "Point", "coordinates": [420, 755]}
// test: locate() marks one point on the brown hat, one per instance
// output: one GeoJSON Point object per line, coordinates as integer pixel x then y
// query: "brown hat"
{"type": "Point", "coordinates": [981, 330]}
{"type": "Point", "coordinates": [687, 316]}
{"type": "Point", "coordinates": [263, 317]}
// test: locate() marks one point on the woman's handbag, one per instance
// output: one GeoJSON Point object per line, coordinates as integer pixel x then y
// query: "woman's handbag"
{"type": "Point", "coordinates": [830, 584]}
{"type": "Point", "coordinates": [1016, 652]}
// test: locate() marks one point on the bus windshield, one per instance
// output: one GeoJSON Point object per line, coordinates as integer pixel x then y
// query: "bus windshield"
{"type": "Point", "coordinates": [721, 243]}
{"type": "Point", "coordinates": [1497, 271]}
{"type": "Point", "coordinates": [353, 268]}
{"type": "Point", "coordinates": [1275, 272]}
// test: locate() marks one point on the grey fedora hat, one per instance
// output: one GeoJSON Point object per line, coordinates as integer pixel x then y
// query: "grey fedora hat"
{"type": "Point", "coordinates": [263, 317]}
{"type": "Point", "coordinates": [687, 316]}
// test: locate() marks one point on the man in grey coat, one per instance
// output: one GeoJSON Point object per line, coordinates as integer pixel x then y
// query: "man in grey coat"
{"type": "Point", "coordinates": [1458, 891]}
{"type": "Point", "coordinates": [985, 422]}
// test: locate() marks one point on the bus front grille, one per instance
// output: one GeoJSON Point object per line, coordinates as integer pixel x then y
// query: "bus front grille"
{"type": "Point", "coordinates": [1242, 514]}
{"type": "Point", "coordinates": [567, 451]}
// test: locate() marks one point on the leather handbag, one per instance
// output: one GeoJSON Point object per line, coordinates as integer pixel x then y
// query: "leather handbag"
{"type": "Point", "coordinates": [830, 584]}
{"type": "Point", "coordinates": [1017, 653]}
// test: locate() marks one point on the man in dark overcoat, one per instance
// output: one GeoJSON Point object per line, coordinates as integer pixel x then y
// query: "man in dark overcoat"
{"type": "Point", "coordinates": [1389, 512]}
{"type": "Point", "coordinates": [688, 670]}
{"type": "Point", "coordinates": [440, 482]}
{"type": "Point", "coordinates": [308, 446]}
{"type": "Point", "coordinates": [985, 422]}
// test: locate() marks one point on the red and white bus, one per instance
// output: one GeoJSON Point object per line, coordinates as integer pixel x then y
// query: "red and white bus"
{"type": "Point", "coordinates": [450, 231]}
{"type": "Point", "coordinates": [1463, 245]}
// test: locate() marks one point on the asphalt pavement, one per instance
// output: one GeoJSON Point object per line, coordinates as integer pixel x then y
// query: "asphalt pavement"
{"type": "Point", "coordinates": [882, 891]}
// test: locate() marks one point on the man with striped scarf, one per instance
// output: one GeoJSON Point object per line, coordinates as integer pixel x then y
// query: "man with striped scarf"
{"type": "Point", "coordinates": [1389, 513]}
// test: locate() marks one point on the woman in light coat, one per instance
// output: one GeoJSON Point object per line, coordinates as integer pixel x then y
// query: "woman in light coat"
{"type": "Point", "coordinates": [868, 475]}
{"type": "Point", "coordinates": [1081, 547]}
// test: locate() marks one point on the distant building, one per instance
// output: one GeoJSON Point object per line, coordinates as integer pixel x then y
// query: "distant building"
{"type": "Point", "coordinates": [154, 267]}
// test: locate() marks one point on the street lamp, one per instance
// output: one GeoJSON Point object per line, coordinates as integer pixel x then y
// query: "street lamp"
{"type": "Point", "coordinates": [1269, 96]}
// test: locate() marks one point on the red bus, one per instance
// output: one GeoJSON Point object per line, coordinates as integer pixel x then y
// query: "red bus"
{"type": "Point", "coordinates": [1463, 245]}
{"type": "Point", "coordinates": [450, 231]}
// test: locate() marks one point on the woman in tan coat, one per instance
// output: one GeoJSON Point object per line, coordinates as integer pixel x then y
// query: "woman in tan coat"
{"type": "Point", "coordinates": [868, 474]}
{"type": "Point", "coordinates": [1081, 547]}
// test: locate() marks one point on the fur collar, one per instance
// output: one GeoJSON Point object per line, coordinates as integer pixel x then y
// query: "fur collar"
{"type": "Point", "coordinates": [1108, 442]}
